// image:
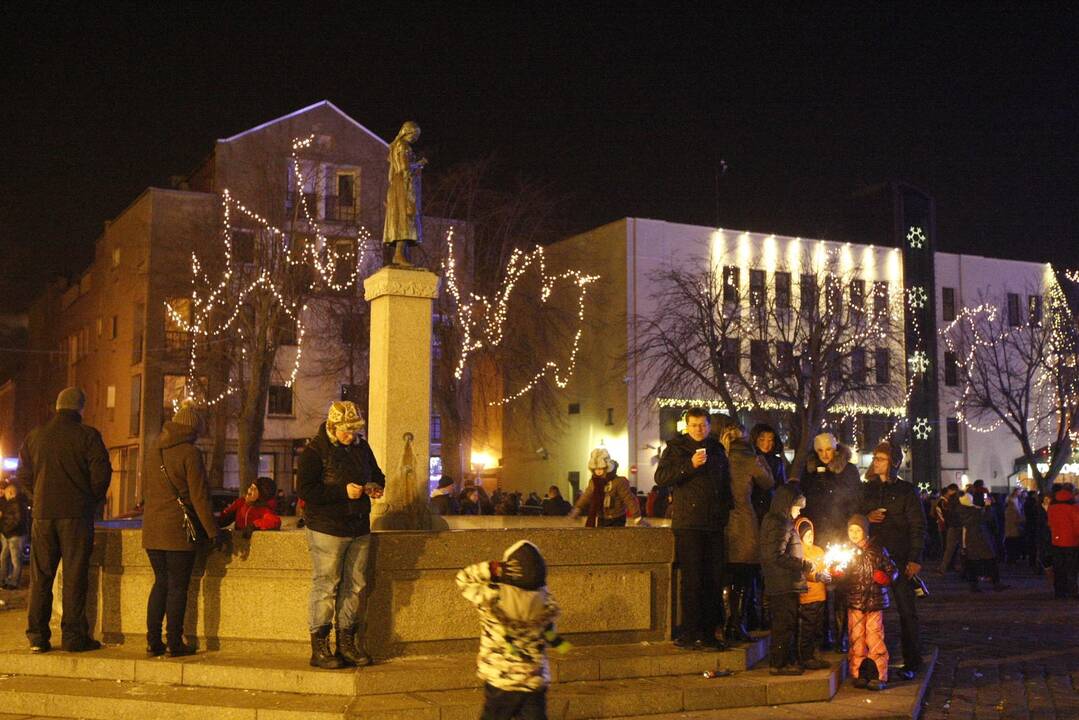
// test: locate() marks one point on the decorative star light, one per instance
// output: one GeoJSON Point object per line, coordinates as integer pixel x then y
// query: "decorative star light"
{"type": "Point", "coordinates": [916, 237]}
{"type": "Point", "coordinates": [919, 362]}
{"type": "Point", "coordinates": [922, 428]}
{"type": "Point", "coordinates": [918, 297]}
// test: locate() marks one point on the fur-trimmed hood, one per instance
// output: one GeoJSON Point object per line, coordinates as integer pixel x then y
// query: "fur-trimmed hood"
{"type": "Point", "coordinates": [842, 458]}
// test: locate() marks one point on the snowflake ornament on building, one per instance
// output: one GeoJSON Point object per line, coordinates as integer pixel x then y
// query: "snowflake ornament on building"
{"type": "Point", "coordinates": [921, 429]}
{"type": "Point", "coordinates": [917, 297]}
{"type": "Point", "coordinates": [919, 362]}
{"type": "Point", "coordinates": [916, 237]}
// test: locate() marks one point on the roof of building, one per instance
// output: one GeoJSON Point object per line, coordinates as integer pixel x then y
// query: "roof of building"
{"type": "Point", "coordinates": [299, 112]}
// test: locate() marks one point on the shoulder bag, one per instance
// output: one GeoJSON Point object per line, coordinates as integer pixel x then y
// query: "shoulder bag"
{"type": "Point", "coordinates": [196, 534]}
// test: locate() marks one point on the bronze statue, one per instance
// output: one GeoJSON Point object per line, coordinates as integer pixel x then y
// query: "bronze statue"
{"type": "Point", "coordinates": [404, 221]}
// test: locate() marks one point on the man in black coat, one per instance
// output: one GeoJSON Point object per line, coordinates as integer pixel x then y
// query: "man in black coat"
{"type": "Point", "coordinates": [338, 478]}
{"type": "Point", "coordinates": [65, 466]}
{"type": "Point", "coordinates": [695, 465]}
{"type": "Point", "coordinates": [897, 523]}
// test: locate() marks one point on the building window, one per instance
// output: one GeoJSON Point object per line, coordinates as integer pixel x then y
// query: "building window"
{"type": "Point", "coordinates": [785, 357]}
{"type": "Point", "coordinates": [807, 291]}
{"type": "Point", "coordinates": [353, 393]}
{"type": "Point", "coordinates": [954, 445]}
{"type": "Point", "coordinates": [286, 330]}
{"type": "Point", "coordinates": [243, 245]}
{"type": "Point", "coordinates": [758, 357]}
{"type": "Point", "coordinates": [947, 303]}
{"type": "Point", "coordinates": [783, 290]}
{"type": "Point", "coordinates": [1014, 319]}
{"type": "Point", "coordinates": [857, 295]}
{"type": "Point", "coordinates": [174, 389]}
{"type": "Point", "coordinates": [880, 297]}
{"type": "Point", "coordinates": [344, 266]}
{"type": "Point", "coordinates": [114, 328]}
{"type": "Point", "coordinates": [757, 293]}
{"type": "Point", "coordinates": [610, 417]}
{"type": "Point", "coordinates": [732, 348]}
{"type": "Point", "coordinates": [857, 365]}
{"type": "Point", "coordinates": [574, 408]}
{"type": "Point", "coordinates": [136, 406]}
{"type": "Point", "coordinates": [177, 322]}
{"type": "Point", "coordinates": [280, 400]}
{"type": "Point", "coordinates": [116, 257]}
{"type": "Point", "coordinates": [951, 369]}
{"type": "Point", "coordinates": [731, 283]}
{"type": "Point", "coordinates": [882, 366]}
{"type": "Point", "coordinates": [436, 428]}
{"type": "Point", "coordinates": [138, 321]}
{"type": "Point", "coordinates": [1034, 310]}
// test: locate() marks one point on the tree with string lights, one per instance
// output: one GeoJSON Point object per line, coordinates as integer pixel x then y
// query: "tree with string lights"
{"type": "Point", "coordinates": [828, 354]}
{"type": "Point", "coordinates": [1019, 373]}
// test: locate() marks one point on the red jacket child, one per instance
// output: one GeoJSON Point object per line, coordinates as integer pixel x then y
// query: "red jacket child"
{"type": "Point", "coordinates": [1064, 520]}
{"type": "Point", "coordinates": [252, 511]}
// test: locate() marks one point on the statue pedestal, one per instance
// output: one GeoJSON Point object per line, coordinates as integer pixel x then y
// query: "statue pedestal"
{"type": "Point", "coordinates": [399, 403]}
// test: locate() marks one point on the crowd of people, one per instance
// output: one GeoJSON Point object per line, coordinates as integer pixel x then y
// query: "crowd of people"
{"type": "Point", "coordinates": [753, 538]}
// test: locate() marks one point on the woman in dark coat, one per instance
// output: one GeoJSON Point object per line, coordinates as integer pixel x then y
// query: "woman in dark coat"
{"type": "Point", "coordinates": [749, 473]}
{"type": "Point", "coordinates": [171, 553]}
{"type": "Point", "coordinates": [979, 548]}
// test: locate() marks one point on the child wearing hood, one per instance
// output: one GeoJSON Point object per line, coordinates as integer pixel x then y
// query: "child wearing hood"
{"type": "Point", "coordinates": [814, 601]}
{"type": "Point", "coordinates": [784, 567]}
{"type": "Point", "coordinates": [255, 510]}
{"type": "Point", "coordinates": [867, 577]}
{"type": "Point", "coordinates": [517, 615]}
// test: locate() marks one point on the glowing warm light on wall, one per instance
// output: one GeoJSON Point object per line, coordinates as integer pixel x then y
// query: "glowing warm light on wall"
{"type": "Point", "coordinates": [718, 248]}
{"type": "Point", "coordinates": [744, 250]}
{"type": "Point", "coordinates": [794, 256]}
{"type": "Point", "coordinates": [482, 460]}
{"type": "Point", "coordinates": [869, 264]}
{"type": "Point", "coordinates": [846, 260]}
{"type": "Point", "coordinates": [895, 269]}
{"type": "Point", "coordinates": [770, 252]}
{"type": "Point", "coordinates": [820, 257]}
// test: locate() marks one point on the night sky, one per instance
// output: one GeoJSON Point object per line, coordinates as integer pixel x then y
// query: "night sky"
{"type": "Point", "coordinates": [623, 112]}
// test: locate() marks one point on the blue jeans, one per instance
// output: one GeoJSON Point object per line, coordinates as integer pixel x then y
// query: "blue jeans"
{"type": "Point", "coordinates": [11, 559]}
{"type": "Point", "coordinates": [339, 575]}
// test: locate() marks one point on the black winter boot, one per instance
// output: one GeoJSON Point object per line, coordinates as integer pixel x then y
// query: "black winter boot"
{"type": "Point", "coordinates": [736, 608]}
{"type": "Point", "coordinates": [321, 654]}
{"type": "Point", "coordinates": [350, 648]}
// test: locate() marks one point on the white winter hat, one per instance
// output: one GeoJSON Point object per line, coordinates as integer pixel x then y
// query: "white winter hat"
{"type": "Point", "coordinates": [600, 459]}
{"type": "Point", "coordinates": [824, 440]}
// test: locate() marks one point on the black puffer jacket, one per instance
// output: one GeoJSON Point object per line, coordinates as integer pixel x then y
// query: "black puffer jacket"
{"type": "Point", "coordinates": [782, 559]}
{"type": "Point", "coordinates": [13, 516]}
{"type": "Point", "coordinates": [833, 493]}
{"type": "Point", "coordinates": [863, 591]}
{"type": "Point", "coordinates": [903, 531]}
{"type": "Point", "coordinates": [702, 496]}
{"type": "Point", "coordinates": [325, 469]}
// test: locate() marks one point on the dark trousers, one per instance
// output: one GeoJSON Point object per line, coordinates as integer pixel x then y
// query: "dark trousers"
{"type": "Point", "coordinates": [611, 522]}
{"type": "Point", "coordinates": [168, 596]}
{"type": "Point", "coordinates": [810, 626]}
{"type": "Point", "coordinates": [976, 569]}
{"type": "Point", "coordinates": [700, 556]}
{"type": "Point", "coordinates": [953, 538]}
{"type": "Point", "coordinates": [909, 631]}
{"type": "Point", "coordinates": [506, 704]}
{"type": "Point", "coordinates": [784, 629]}
{"type": "Point", "coordinates": [1065, 569]}
{"type": "Point", "coordinates": [72, 540]}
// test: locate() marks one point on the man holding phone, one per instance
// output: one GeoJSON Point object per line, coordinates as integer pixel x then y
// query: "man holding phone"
{"type": "Point", "coordinates": [897, 522]}
{"type": "Point", "coordinates": [695, 466]}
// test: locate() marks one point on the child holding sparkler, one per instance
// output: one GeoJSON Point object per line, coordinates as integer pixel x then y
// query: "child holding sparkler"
{"type": "Point", "coordinates": [813, 603]}
{"type": "Point", "coordinates": [868, 575]}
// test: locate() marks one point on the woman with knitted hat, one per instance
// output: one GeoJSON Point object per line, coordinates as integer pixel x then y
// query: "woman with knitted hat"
{"type": "Point", "coordinates": [608, 500]}
{"type": "Point", "coordinates": [181, 475]}
{"type": "Point", "coordinates": [338, 478]}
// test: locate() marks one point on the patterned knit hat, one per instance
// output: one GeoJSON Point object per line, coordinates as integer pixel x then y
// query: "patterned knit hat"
{"type": "Point", "coordinates": [600, 459]}
{"type": "Point", "coordinates": [186, 415]}
{"type": "Point", "coordinates": [344, 415]}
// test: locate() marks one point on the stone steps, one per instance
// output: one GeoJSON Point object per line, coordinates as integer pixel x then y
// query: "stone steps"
{"type": "Point", "coordinates": [102, 699]}
{"type": "Point", "coordinates": [292, 674]}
